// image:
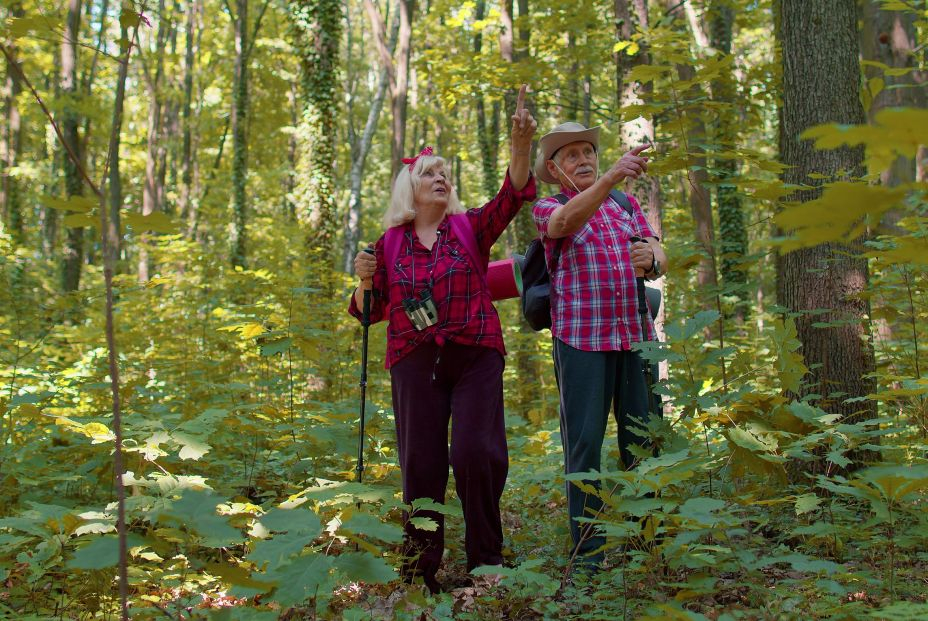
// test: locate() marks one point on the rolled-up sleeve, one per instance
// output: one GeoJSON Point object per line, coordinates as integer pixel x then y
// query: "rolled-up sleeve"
{"type": "Point", "coordinates": [541, 213]}
{"type": "Point", "coordinates": [379, 292]}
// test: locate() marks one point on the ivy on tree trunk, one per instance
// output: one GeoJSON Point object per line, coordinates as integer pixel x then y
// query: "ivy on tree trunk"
{"type": "Point", "coordinates": [317, 32]}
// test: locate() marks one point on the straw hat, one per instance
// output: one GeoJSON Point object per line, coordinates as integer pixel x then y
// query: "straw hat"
{"type": "Point", "coordinates": [563, 134]}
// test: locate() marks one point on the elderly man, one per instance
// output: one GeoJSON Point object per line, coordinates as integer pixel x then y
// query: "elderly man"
{"type": "Point", "coordinates": [589, 232]}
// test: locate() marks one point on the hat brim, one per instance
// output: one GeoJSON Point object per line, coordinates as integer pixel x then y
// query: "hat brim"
{"type": "Point", "coordinates": [551, 142]}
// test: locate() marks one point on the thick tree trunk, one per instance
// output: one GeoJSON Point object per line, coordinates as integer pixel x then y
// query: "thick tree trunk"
{"type": "Point", "coordinates": [12, 142]}
{"type": "Point", "coordinates": [70, 121]}
{"type": "Point", "coordinates": [401, 85]}
{"type": "Point", "coordinates": [821, 77]}
{"type": "Point", "coordinates": [733, 243]}
{"type": "Point", "coordinates": [318, 26]}
{"type": "Point", "coordinates": [239, 140]}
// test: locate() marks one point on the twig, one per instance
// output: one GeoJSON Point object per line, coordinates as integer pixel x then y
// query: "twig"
{"type": "Point", "coordinates": [71, 155]}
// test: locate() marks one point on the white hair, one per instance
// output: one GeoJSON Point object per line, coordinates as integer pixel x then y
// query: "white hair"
{"type": "Point", "coordinates": [402, 207]}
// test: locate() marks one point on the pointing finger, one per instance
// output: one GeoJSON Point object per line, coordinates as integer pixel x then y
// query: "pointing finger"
{"type": "Point", "coordinates": [639, 149]}
{"type": "Point", "coordinates": [520, 101]}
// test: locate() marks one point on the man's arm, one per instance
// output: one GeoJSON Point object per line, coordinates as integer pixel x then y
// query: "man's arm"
{"type": "Point", "coordinates": [572, 215]}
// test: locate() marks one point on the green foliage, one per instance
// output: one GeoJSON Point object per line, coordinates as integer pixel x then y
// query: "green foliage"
{"type": "Point", "coordinates": [239, 386]}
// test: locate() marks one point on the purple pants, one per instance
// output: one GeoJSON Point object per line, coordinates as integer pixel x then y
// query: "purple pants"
{"type": "Point", "coordinates": [463, 384]}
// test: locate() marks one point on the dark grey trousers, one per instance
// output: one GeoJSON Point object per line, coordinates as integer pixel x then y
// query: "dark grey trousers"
{"type": "Point", "coordinates": [590, 384]}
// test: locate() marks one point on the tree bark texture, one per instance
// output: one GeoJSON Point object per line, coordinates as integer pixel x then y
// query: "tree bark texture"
{"type": "Point", "coordinates": [239, 138]}
{"type": "Point", "coordinates": [12, 145]}
{"type": "Point", "coordinates": [733, 242]}
{"type": "Point", "coordinates": [399, 93]}
{"type": "Point", "coordinates": [821, 77]}
{"type": "Point", "coordinates": [70, 122]}
{"type": "Point", "coordinates": [318, 25]}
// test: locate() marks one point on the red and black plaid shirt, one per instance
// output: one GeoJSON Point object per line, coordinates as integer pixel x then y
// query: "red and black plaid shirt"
{"type": "Point", "coordinates": [594, 301]}
{"type": "Point", "coordinates": [465, 313]}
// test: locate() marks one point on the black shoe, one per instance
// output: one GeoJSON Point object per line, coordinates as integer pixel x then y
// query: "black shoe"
{"type": "Point", "coordinates": [430, 582]}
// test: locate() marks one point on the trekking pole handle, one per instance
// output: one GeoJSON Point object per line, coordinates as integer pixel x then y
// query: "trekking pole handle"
{"type": "Point", "coordinates": [366, 305]}
{"type": "Point", "coordinates": [639, 282]}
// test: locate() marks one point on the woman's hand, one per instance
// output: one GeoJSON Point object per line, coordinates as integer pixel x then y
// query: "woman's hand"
{"type": "Point", "coordinates": [365, 264]}
{"type": "Point", "coordinates": [523, 129]}
{"type": "Point", "coordinates": [523, 126]}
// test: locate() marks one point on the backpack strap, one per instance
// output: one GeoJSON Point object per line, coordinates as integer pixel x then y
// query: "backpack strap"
{"type": "Point", "coordinates": [622, 199]}
{"type": "Point", "coordinates": [464, 231]}
{"type": "Point", "coordinates": [618, 196]}
{"type": "Point", "coordinates": [392, 242]}
{"type": "Point", "coordinates": [556, 254]}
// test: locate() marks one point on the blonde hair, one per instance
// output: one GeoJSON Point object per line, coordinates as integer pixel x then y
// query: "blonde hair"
{"type": "Point", "coordinates": [402, 202]}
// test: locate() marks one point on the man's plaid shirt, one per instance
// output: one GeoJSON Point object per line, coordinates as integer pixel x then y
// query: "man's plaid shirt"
{"type": "Point", "coordinates": [594, 302]}
{"type": "Point", "coordinates": [465, 313]}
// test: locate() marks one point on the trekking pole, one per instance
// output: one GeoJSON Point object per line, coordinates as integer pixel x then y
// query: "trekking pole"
{"type": "Point", "coordinates": [643, 323]}
{"type": "Point", "coordinates": [365, 324]}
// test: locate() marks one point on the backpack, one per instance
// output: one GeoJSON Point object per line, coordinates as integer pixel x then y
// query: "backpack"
{"type": "Point", "coordinates": [463, 230]}
{"type": "Point", "coordinates": [536, 278]}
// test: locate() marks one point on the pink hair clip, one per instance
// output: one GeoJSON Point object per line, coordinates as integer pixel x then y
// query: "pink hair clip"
{"type": "Point", "coordinates": [412, 160]}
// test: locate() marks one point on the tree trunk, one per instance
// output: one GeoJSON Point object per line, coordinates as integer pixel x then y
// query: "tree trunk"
{"type": "Point", "coordinates": [152, 191]}
{"type": "Point", "coordinates": [640, 130]}
{"type": "Point", "coordinates": [889, 37]}
{"type": "Point", "coordinates": [11, 199]}
{"type": "Point", "coordinates": [821, 76]}
{"type": "Point", "coordinates": [399, 93]}
{"type": "Point", "coordinates": [699, 199]}
{"type": "Point", "coordinates": [186, 176]}
{"type": "Point", "coordinates": [115, 191]}
{"type": "Point", "coordinates": [239, 142]}
{"type": "Point", "coordinates": [733, 244]}
{"type": "Point", "coordinates": [318, 26]}
{"type": "Point", "coordinates": [70, 121]}
{"type": "Point", "coordinates": [523, 227]}
{"type": "Point", "coordinates": [485, 141]}
{"type": "Point", "coordinates": [362, 149]}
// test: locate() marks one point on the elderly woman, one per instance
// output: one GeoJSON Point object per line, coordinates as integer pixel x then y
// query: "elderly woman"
{"type": "Point", "coordinates": [445, 345]}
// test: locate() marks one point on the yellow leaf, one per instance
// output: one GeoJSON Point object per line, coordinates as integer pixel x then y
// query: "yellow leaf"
{"type": "Point", "coordinates": [98, 433]}
{"type": "Point", "coordinates": [837, 214]}
{"type": "Point", "coordinates": [250, 330]}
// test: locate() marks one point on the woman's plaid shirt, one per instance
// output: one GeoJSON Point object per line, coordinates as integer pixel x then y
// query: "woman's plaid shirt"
{"type": "Point", "coordinates": [465, 313]}
{"type": "Point", "coordinates": [594, 302]}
